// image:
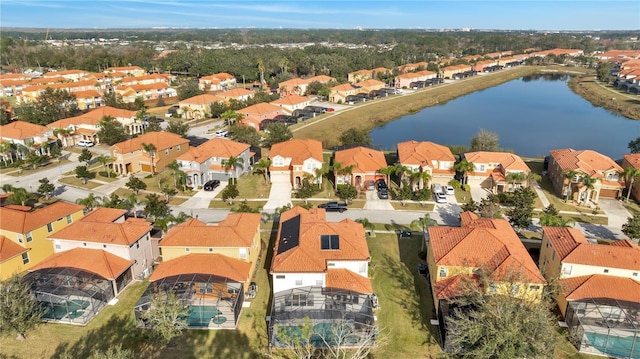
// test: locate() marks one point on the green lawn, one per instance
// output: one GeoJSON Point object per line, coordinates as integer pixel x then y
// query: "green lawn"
{"type": "Point", "coordinates": [77, 182]}
{"type": "Point", "coordinates": [236, 202]}
{"type": "Point", "coordinates": [413, 206]}
{"type": "Point", "coordinates": [251, 186]}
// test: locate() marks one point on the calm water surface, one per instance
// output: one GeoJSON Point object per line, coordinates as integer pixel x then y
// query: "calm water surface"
{"type": "Point", "coordinates": [531, 115]}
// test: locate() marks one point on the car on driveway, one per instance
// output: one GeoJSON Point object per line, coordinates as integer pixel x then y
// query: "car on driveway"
{"type": "Point", "coordinates": [449, 190]}
{"type": "Point", "coordinates": [333, 206]}
{"type": "Point", "coordinates": [85, 143]}
{"type": "Point", "coordinates": [211, 185]}
{"type": "Point", "coordinates": [381, 184]}
{"type": "Point", "coordinates": [222, 133]}
{"type": "Point", "coordinates": [383, 193]}
{"type": "Point", "coordinates": [440, 197]}
{"type": "Point", "coordinates": [370, 185]}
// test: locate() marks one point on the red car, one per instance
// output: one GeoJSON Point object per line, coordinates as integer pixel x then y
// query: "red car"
{"type": "Point", "coordinates": [330, 109]}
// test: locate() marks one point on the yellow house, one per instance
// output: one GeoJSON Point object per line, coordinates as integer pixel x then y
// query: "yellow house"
{"type": "Point", "coordinates": [28, 228]}
{"type": "Point", "coordinates": [130, 156]}
{"type": "Point", "coordinates": [237, 236]}
{"type": "Point", "coordinates": [456, 255]}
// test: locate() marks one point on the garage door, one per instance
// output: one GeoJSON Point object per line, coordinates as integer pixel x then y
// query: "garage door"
{"type": "Point", "coordinates": [608, 193]}
{"type": "Point", "coordinates": [280, 177]}
{"type": "Point", "coordinates": [145, 168]}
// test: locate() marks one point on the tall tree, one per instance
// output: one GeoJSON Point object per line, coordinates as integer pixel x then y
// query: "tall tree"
{"type": "Point", "coordinates": [135, 184]}
{"type": "Point", "coordinates": [632, 227]}
{"type": "Point", "coordinates": [245, 134]}
{"type": "Point", "coordinates": [166, 317]}
{"type": "Point", "coordinates": [188, 88]}
{"type": "Point", "coordinates": [46, 187]}
{"type": "Point", "coordinates": [230, 192]}
{"type": "Point", "coordinates": [630, 175]}
{"type": "Point", "coordinates": [111, 131]}
{"type": "Point", "coordinates": [634, 146]}
{"type": "Point", "coordinates": [6, 149]}
{"type": "Point", "coordinates": [155, 207]}
{"type": "Point", "coordinates": [464, 167]}
{"type": "Point", "coordinates": [589, 184]}
{"type": "Point", "coordinates": [485, 141]}
{"type": "Point", "coordinates": [231, 117]}
{"type": "Point", "coordinates": [230, 165]}
{"type": "Point", "coordinates": [423, 223]}
{"type": "Point", "coordinates": [85, 156]}
{"type": "Point", "coordinates": [150, 149]}
{"type": "Point", "coordinates": [354, 136]}
{"type": "Point", "coordinates": [347, 192]}
{"type": "Point", "coordinates": [521, 214]}
{"type": "Point", "coordinates": [51, 106]}
{"type": "Point", "coordinates": [19, 309]}
{"type": "Point", "coordinates": [366, 224]}
{"type": "Point", "coordinates": [278, 132]}
{"type": "Point", "coordinates": [262, 168]}
{"type": "Point", "coordinates": [515, 177]}
{"type": "Point", "coordinates": [90, 202]}
{"type": "Point", "coordinates": [84, 174]}
{"type": "Point", "coordinates": [178, 127]}
{"type": "Point", "coordinates": [104, 161]}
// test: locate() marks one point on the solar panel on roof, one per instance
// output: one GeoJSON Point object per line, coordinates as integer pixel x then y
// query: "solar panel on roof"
{"type": "Point", "coordinates": [329, 241]}
{"type": "Point", "coordinates": [289, 235]}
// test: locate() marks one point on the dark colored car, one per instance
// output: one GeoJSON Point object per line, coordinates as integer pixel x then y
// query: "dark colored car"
{"type": "Point", "coordinates": [383, 193]}
{"type": "Point", "coordinates": [211, 185]}
{"type": "Point", "coordinates": [333, 207]}
{"type": "Point", "coordinates": [381, 184]}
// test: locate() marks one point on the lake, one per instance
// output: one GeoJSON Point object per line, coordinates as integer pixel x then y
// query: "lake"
{"type": "Point", "coordinates": [532, 115]}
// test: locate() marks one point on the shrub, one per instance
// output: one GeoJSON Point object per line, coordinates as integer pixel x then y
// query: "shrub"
{"type": "Point", "coordinates": [422, 255]}
{"type": "Point", "coordinates": [455, 184]}
{"type": "Point", "coordinates": [467, 188]}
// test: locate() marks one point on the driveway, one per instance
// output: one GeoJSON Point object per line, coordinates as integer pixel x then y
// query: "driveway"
{"type": "Point", "coordinates": [203, 198]}
{"type": "Point", "coordinates": [616, 212]}
{"type": "Point", "coordinates": [280, 195]}
{"type": "Point", "coordinates": [373, 202]}
{"type": "Point", "coordinates": [479, 193]}
{"type": "Point", "coordinates": [447, 213]}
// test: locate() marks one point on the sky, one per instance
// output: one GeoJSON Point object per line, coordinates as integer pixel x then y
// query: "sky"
{"type": "Point", "coordinates": [328, 14]}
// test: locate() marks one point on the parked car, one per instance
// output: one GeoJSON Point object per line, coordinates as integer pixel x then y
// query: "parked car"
{"type": "Point", "coordinates": [329, 109]}
{"type": "Point", "coordinates": [222, 133]}
{"type": "Point", "coordinates": [381, 184]}
{"type": "Point", "coordinates": [370, 185]}
{"type": "Point", "coordinates": [437, 188]}
{"type": "Point", "coordinates": [383, 193]}
{"type": "Point", "coordinates": [449, 190]}
{"type": "Point", "coordinates": [440, 197]}
{"type": "Point", "coordinates": [85, 143]}
{"type": "Point", "coordinates": [333, 206]}
{"type": "Point", "coordinates": [171, 111]}
{"type": "Point", "coordinates": [211, 185]}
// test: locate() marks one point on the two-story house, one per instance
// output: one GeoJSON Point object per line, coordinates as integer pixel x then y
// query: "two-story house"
{"type": "Point", "coordinates": [339, 93]}
{"type": "Point", "coordinates": [28, 228]}
{"type": "Point", "coordinates": [497, 171]}
{"type": "Point", "coordinates": [27, 136]}
{"type": "Point", "coordinates": [208, 161]}
{"type": "Point", "coordinates": [483, 252]}
{"type": "Point", "coordinates": [599, 293]}
{"type": "Point", "coordinates": [365, 164]}
{"type": "Point", "coordinates": [254, 115]}
{"type": "Point", "coordinates": [568, 167]}
{"type": "Point", "coordinates": [198, 107]}
{"type": "Point", "coordinates": [151, 152]}
{"type": "Point", "coordinates": [217, 82]}
{"type": "Point", "coordinates": [320, 272]}
{"type": "Point", "coordinates": [238, 94]}
{"type": "Point", "coordinates": [632, 160]}
{"type": "Point", "coordinates": [435, 159]}
{"type": "Point", "coordinates": [405, 80]}
{"type": "Point", "coordinates": [293, 160]}
{"type": "Point", "coordinates": [295, 86]}
{"type": "Point", "coordinates": [292, 102]}
{"type": "Point", "coordinates": [134, 71]}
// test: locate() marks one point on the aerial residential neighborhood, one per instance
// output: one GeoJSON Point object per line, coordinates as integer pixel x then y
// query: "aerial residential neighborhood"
{"type": "Point", "coordinates": [264, 193]}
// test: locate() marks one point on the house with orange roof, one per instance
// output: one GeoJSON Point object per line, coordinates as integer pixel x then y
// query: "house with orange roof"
{"type": "Point", "coordinates": [404, 80]}
{"type": "Point", "coordinates": [497, 171]}
{"type": "Point", "coordinates": [359, 75]}
{"type": "Point", "coordinates": [146, 79]}
{"type": "Point", "coordinates": [28, 229]}
{"type": "Point", "coordinates": [127, 70]}
{"type": "Point", "coordinates": [365, 164]}
{"type": "Point", "coordinates": [369, 85]}
{"type": "Point", "coordinates": [217, 82]}
{"type": "Point", "coordinates": [484, 254]}
{"type": "Point", "coordinates": [130, 156]}
{"type": "Point", "coordinates": [454, 71]}
{"type": "Point", "coordinates": [12, 87]}
{"type": "Point", "coordinates": [259, 112]}
{"type": "Point", "coordinates": [238, 94]}
{"type": "Point", "coordinates": [30, 94]}
{"type": "Point", "coordinates": [147, 92]}
{"type": "Point", "coordinates": [198, 107]}
{"type": "Point", "coordinates": [87, 125]}
{"type": "Point", "coordinates": [88, 99]}
{"type": "Point", "coordinates": [435, 159]}
{"type": "Point", "coordinates": [618, 54]}
{"type": "Point", "coordinates": [74, 286]}
{"type": "Point", "coordinates": [568, 167]}
{"type": "Point", "coordinates": [632, 160]}
{"type": "Point", "coordinates": [323, 79]}
{"type": "Point", "coordinates": [292, 102]}
{"type": "Point", "coordinates": [599, 292]}
{"type": "Point", "coordinates": [482, 64]}
{"type": "Point", "coordinates": [320, 267]}
{"type": "Point", "coordinates": [28, 136]}
{"type": "Point", "coordinates": [339, 93]}
{"type": "Point", "coordinates": [208, 161]}
{"type": "Point", "coordinates": [67, 75]}
{"type": "Point", "coordinates": [412, 67]}
{"type": "Point", "coordinates": [108, 229]}
{"type": "Point", "coordinates": [295, 86]}
{"type": "Point", "coordinates": [293, 160]}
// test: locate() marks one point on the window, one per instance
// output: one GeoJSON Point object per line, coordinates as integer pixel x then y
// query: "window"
{"type": "Point", "coordinates": [69, 219]}
{"type": "Point", "coordinates": [577, 178]}
{"type": "Point", "coordinates": [635, 274]}
{"type": "Point", "coordinates": [606, 271]}
{"type": "Point", "coordinates": [362, 268]}
{"type": "Point", "coordinates": [329, 241]}
{"type": "Point", "coordinates": [233, 288]}
{"type": "Point", "coordinates": [243, 253]}
{"type": "Point", "coordinates": [84, 244]}
{"type": "Point", "coordinates": [166, 151]}
{"type": "Point", "coordinates": [210, 250]}
{"type": "Point", "coordinates": [331, 264]}
{"type": "Point", "coordinates": [29, 237]}
{"type": "Point", "coordinates": [205, 288]}
{"type": "Point", "coordinates": [187, 250]}
{"type": "Point", "coordinates": [299, 300]}
{"type": "Point", "coordinates": [566, 270]}
{"type": "Point", "coordinates": [279, 277]}
{"type": "Point", "coordinates": [19, 238]}
{"type": "Point", "coordinates": [493, 287]}
{"type": "Point", "coordinates": [612, 177]}
{"type": "Point", "coordinates": [49, 227]}
{"type": "Point", "coordinates": [298, 281]}
{"type": "Point", "coordinates": [25, 258]}
{"type": "Point", "coordinates": [178, 148]}
{"type": "Point", "coordinates": [58, 246]}
{"type": "Point", "coordinates": [104, 246]}
{"type": "Point", "coordinates": [319, 282]}
{"type": "Point", "coordinates": [515, 289]}
{"type": "Point", "coordinates": [138, 245]}
{"type": "Point", "coordinates": [278, 161]}
{"type": "Point", "coordinates": [534, 287]}
{"type": "Point", "coordinates": [443, 272]}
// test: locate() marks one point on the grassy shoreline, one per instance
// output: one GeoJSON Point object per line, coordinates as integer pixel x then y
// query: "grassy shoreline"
{"type": "Point", "coordinates": [370, 115]}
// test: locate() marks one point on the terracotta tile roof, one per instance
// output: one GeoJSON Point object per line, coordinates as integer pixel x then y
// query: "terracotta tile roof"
{"type": "Point", "coordinates": [203, 263]}
{"type": "Point", "coordinates": [122, 68]}
{"type": "Point", "coordinates": [487, 242]}
{"type": "Point", "coordinates": [508, 161]}
{"type": "Point", "coordinates": [321, 78]}
{"type": "Point", "coordinates": [625, 243]}
{"type": "Point", "coordinates": [237, 230]}
{"type": "Point", "coordinates": [103, 111]}
{"type": "Point", "coordinates": [102, 263]}
{"type": "Point", "coordinates": [236, 92]}
{"type": "Point", "coordinates": [347, 280]}
{"type": "Point", "coordinates": [307, 255]}
{"type": "Point", "coordinates": [215, 147]}
{"type": "Point", "coordinates": [21, 130]}
{"type": "Point", "coordinates": [467, 218]}
{"type": "Point", "coordinates": [415, 75]}
{"type": "Point", "coordinates": [204, 99]}
{"type": "Point", "coordinates": [598, 286]}
{"type": "Point", "coordinates": [563, 239]}
{"type": "Point", "coordinates": [104, 215]}
{"type": "Point", "coordinates": [455, 286]}
{"type": "Point", "coordinates": [298, 150]}
{"type": "Point", "coordinates": [290, 84]}
{"type": "Point", "coordinates": [86, 94]}
{"type": "Point", "coordinates": [370, 83]}
{"type": "Point", "coordinates": [162, 140]}
{"type": "Point", "coordinates": [143, 87]}
{"type": "Point", "coordinates": [21, 221]}
{"type": "Point", "coordinates": [221, 76]}
{"type": "Point", "coordinates": [261, 108]}
{"type": "Point", "coordinates": [633, 159]}
{"type": "Point", "coordinates": [423, 153]}
{"type": "Point", "coordinates": [104, 232]}
{"type": "Point", "coordinates": [362, 158]}
{"type": "Point", "coordinates": [588, 161]}
{"type": "Point", "coordinates": [291, 100]}
{"type": "Point", "coordinates": [9, 248]}
{"type": "Point", "coordinates": [343, 87]}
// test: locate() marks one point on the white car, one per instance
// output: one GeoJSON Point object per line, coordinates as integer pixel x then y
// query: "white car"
{"type": "Point", "coordinates": [440, 197]}
{"type": "Point", "coordinates": [85, 143]}
{"type": "Point", "coordinates": [222, 133]}
{"type": "Point", "coordinates": [449, 190]}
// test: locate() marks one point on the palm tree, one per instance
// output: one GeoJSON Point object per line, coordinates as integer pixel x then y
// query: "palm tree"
{"type": "Point", "coordinates": [419, 177]}
{"type": "Point", "coordinates": [464, 167]}
{"type": "Point", "coordinates": [589, 183]}
{"type": "Point", "coordinates": [230, 164]}
{"type": "Point", "coordinates": [150, 148]}
{"type": "Point", "coordinates": [387, 171]}
{"type": "Point", "coordinates": [347, 171]}
{"type": "Point", "coordinates": [262, 168]}
{"type": "Point", "coordinates": [131, 200]}
{"type": "Point", "coordinates": [18, 195]}
{"type": "Point", "coordinates": [515, 177]}
{"type": "Point", "coordinates": [321, 172]}
{"type": "Point", "coordinates": [400, 170]}
{"type": "Point", "coordinates": [423, 223]}
{"type": "Point", "coordinates": [175, 168]}
{"type": "Point", "coordinates": [630, 174]}
{"type": "Point", "coordinates": [90, 202]}
{"type": "Point", "coordinates": [568, 178]}
{"type": "Point", "coordinates": [104, 160]}
{"type": "Point", "coordinates": [230, 117]}
{"type": "Point", "coordinates": [261, 71]}
{"type": "Point", "coordinates": [367, 225]}
{"type": "Point", "coordinates": [6, 149]}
